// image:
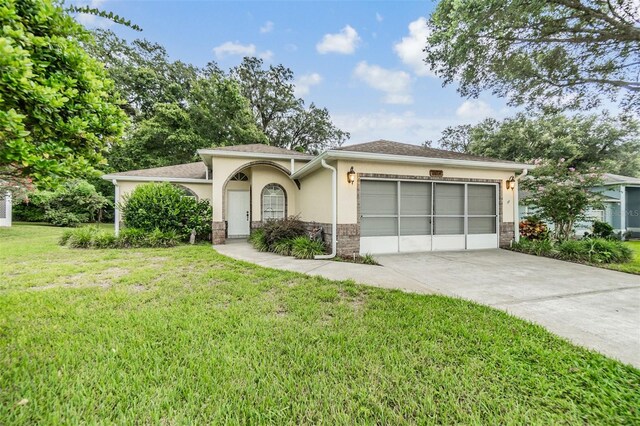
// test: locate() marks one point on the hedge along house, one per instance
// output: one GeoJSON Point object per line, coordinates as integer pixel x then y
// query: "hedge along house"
{"type": "Point", "coordinates": [375, 197]}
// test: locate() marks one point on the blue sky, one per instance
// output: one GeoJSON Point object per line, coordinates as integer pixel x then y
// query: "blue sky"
{"type": "Point", "coordinates": [360, 59]}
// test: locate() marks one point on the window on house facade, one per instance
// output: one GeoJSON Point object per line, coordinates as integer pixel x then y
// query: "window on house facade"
{"type": "Point", "coordinates": [273, 202]}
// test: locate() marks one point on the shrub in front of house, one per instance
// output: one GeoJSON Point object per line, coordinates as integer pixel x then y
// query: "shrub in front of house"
{"type": "Point", "coordinates": [287, 237]}
{"type": "Point", "coordinates": [165, 207]}
{"type": "Point", "coordinates": [533, 228]}
{"type": "Point", "coordinates": [588, 250]}
{"type": "Point", "coordinates": [89, 237]}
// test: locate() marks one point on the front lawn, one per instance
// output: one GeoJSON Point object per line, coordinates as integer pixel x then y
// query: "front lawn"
{"type": "Point", "coordinates": [185, 335]}
{"type": "Point", "coordinates": [632, 267]}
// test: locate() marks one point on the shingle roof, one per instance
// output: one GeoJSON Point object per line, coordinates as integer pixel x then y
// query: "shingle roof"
{"type": "Point", "coordinates": [611, 179]}
{"type": "Point", "coordinates": [185, 171]}
{"type": "Point", "coordinates": [398, 148]}
{"type": "Point", "coordinates": [258, 148]}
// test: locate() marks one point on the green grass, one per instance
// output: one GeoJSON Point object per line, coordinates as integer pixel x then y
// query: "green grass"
{"type": "Point", "coordinates": [185, 335]}
{"type": "Point", "coordinates": [632, 267]}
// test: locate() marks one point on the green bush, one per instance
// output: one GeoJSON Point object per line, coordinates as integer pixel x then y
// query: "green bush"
{"type": "Point", "coordinates": [306, 248]}
{"type": "Point", "coordinates": [589, 250]}
{"type": "Point", "coordinates": [283, 247]}
{"type": "Point", "coordinates": [82, 237]}
{"type": "Point", "coordinates": [602, 230]}
{"type": "Point", "coordinates": [92, 237]}
{"type": "Point", "coordinates": [257, 239]}
{"type": "Point", "coordinates": [283, 229]}
{"type": "Point", "coordinates": [165, 207]}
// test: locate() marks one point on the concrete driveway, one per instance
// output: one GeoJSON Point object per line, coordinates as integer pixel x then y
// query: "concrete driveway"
{"type": "Point", "coordinates": [592, 307]}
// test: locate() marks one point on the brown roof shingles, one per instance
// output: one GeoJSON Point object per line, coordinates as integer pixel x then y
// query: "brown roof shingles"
{"type": "Point", "coordinates": [183, 171]}
{"type": "Point", "coordinates": [398, 148]}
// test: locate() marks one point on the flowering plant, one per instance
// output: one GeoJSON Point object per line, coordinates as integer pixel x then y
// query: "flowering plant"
{"type": "Point", "coordinates": [561, 194]}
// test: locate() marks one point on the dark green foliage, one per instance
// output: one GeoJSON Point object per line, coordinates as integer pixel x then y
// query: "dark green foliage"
{"type": "Point", "coordinates": [539, 53]}
{"type": "Point", "coordinates": [589, 250]}
{"type": "Point", "coordinates": [583, 140]}
{"type": "Point", "coordinates": [165, 207]}
{"type": "Point", "coordinates": [283, 247]}
{"type": "Point", "coordinates": [93, 237]}
{"type": "Point", "coordinates": [306, 248]}
{"type": "Point", "coordinates": [59, 112]}
{"type": "Point", "coordinates": [70, 204]}
{"type": "Point", "coordinates": [602, 230]}
{"type": "Point", "coordinates": [257, 239]}
{"type": "Point", "coordinates": [282, 229]}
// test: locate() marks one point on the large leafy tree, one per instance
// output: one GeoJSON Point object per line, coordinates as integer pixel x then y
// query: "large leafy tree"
{"type": "Point", "coordinates": [610, 143]}
{"type": "Point", "coordinates": [281, 116]}
{"type": "Point", "coordinates": [213, 114]}
{"type": "Point", "coordinates": [143, 72]}
{"type": "Point", "coordinates": [58, 112]}
{"type": "Point", "coordinates": [559, 53]}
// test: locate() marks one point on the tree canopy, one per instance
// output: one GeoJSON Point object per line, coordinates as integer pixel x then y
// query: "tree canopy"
{"type": "Point", "coordinates": [281, 116]}
{"type": "Point", "coordinates": [540, 53]}
{"type": "Point", "coordinates": [609, 143]}
{"type": "Point", "coordinates": [58, 109]}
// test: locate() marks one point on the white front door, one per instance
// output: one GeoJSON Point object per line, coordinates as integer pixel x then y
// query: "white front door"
{"type": "Point", "coordinates": [238, 214]}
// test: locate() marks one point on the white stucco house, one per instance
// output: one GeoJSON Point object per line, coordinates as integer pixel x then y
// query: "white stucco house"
{"type": "Point", "coordinates": [374, 197]}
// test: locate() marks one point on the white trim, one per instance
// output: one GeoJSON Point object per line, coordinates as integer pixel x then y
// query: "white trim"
{"type": "Point", "coordinates": [155, 179]}
{"type": "Point", "coordinates": [623, 207]}
{"type": "Point", "coordinates": [334, 212]}
{"type": "Point", "coordinates": [116, 213]}
{"type": "Point", "coordinates": [223, 153]}
{"type": "Point", "coordinates": [389, 158]}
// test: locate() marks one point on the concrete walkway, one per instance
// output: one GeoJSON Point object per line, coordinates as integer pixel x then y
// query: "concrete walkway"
{"type": "Point", "coordinates": [592, 307]}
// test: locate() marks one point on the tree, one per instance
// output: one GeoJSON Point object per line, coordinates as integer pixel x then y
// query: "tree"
{"type": "Point", "coordinates": [610, 143]}
{"type": "Point", "coordinates": [214, 114]}
{"type": "Point", "coordinates": [58, 112]}
{"type": "Point", "coordinates": [565, 53]}
{"type": "Point", "coordinates": [143, 73]}
{"type": "Point", "coordinates": [281, 116]}
{"type": "Point", "coordinates": [561, 195]}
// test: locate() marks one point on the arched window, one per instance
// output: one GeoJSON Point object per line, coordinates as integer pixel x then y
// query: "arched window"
{"type": "Point", "coordinates": [274, 202]}
{"type": "Point", "coordinates": [240, 177]}
{"type": "Point", "coordinates": [187, 192]}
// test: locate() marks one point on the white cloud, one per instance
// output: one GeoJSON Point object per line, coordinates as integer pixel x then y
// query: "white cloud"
{"type": "Point", "coordinates": [396, 85]}
{"type": "Point", "coordinates": [231, 48]}
{"type": "Point", "coordinates": [407, 126]}
{"type": "Point", "coordinates": [474, 110]}
{"type": "Point", "coordinates": [344, 42]}
{"type": "Point", "coordinates": [235, 48]}
{"type": "Point", "coordinates": [304, 83]}
{"type": "Point", "coordinates": [267, 55]}
{"type": "Point", "coordinates": [92, 21]}
{"type": "Point", "coordinates": [379, 17]}
{"type": "Point", "coordinates": [410, 49]}
{"type": "Point", "coordinates": [267, 27]}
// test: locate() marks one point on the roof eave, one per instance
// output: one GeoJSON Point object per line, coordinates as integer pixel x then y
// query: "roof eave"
{"type": "Point", "coordinates": [407, 159]}
{"type": "Point", "coordinates": [222, 153]}
{"type": "Point", "coordinates": [154, 179]}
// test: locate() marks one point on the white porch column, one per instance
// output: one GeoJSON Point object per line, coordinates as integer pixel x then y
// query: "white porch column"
{"type": "Point", "coordinates": [116, 209]}
{"type": "Point", "coordinates": [623, 208]}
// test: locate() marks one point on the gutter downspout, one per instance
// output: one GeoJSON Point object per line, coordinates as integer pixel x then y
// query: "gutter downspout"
{"type": "Point", "coordinates": [334, 221]}
{"type": "Point", "coordinates": [115, 206]}
{"type": "Point", "coordinates": [516, 206]}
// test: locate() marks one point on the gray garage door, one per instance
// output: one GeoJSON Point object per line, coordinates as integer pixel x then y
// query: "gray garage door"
{"type": "Point", "coordinates": [409, 216]}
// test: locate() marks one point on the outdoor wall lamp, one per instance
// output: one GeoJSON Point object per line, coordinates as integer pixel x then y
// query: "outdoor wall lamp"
{"type": "Point", "coordinates": [510, 183]}
{"type": "Point", "coordinates": [351, 176]}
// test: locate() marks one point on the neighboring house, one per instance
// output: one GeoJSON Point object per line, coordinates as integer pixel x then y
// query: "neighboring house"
{"type": "Point", "coordinates": [5, 209]}
{"type": "Point", "coordinates": [620, 206]}
{"type": "Point", "coordinates": [375, 197]}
